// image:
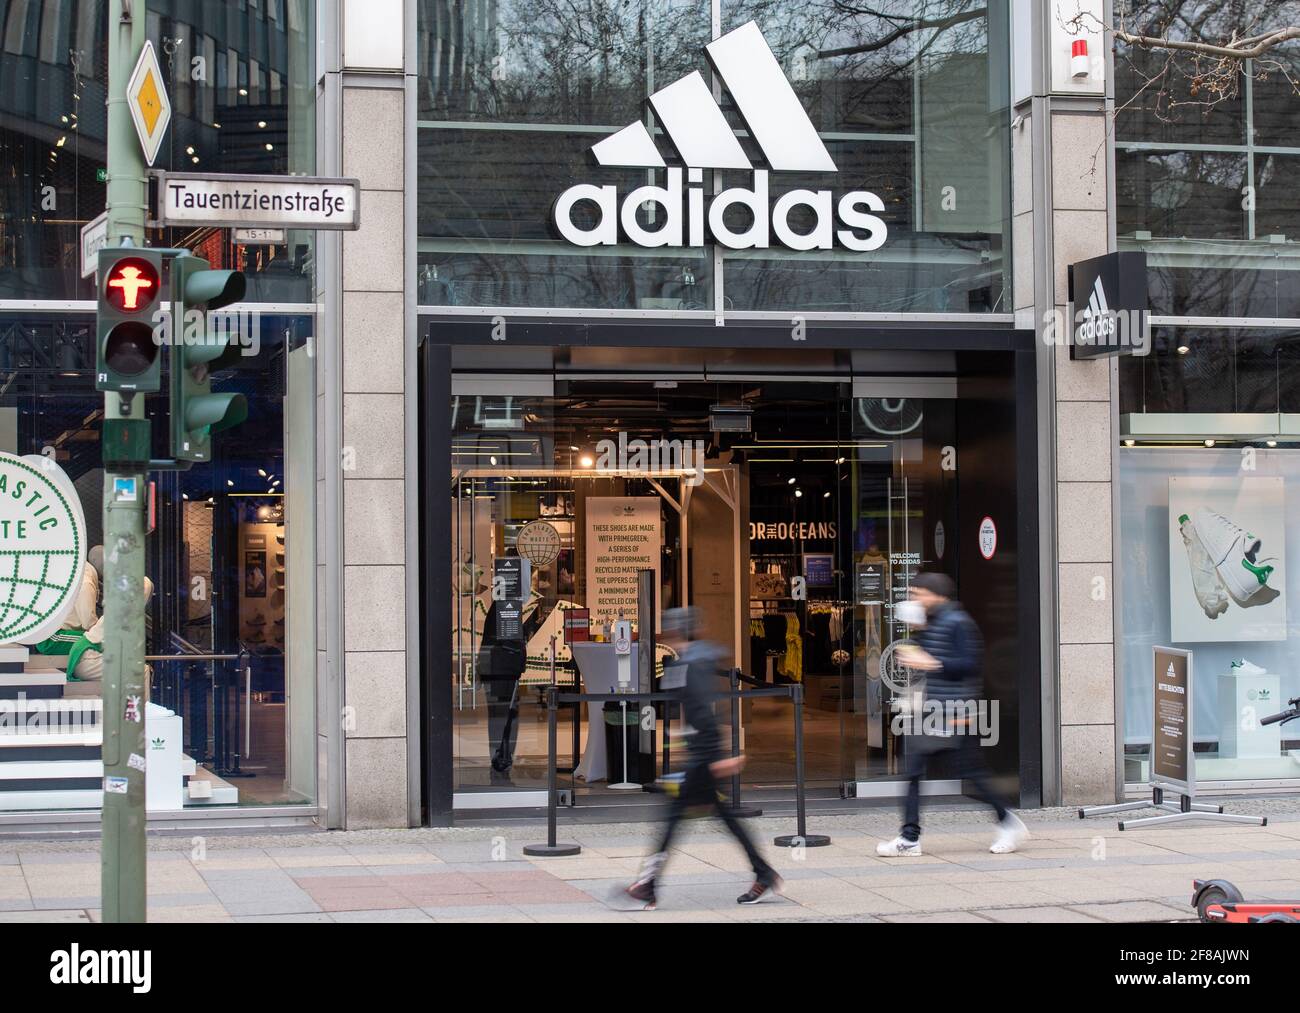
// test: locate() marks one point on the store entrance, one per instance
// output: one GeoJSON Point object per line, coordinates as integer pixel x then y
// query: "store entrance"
{"type": "Point", "coordinates": [791, 512]}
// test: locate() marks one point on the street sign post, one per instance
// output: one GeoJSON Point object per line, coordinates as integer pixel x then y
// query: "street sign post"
{"type": "Point", "coordinates": [94, 234]}
{"type": "Point", "coordinates": [190, 199]}
{"type": "Point", "coordinates": [146, 96]}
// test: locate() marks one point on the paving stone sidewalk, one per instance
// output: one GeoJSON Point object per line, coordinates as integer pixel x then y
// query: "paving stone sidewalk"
{"type": "Point", "coordinates": [1070, 870]}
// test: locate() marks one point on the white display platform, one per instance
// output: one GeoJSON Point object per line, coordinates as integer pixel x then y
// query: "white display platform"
{"type": "Point", "coordinates": [1243, 695]}
{"type": "Point", "coordinates": [597, 666]}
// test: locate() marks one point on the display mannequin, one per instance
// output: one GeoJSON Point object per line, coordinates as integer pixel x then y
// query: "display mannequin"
{"type": "Point", "coordinates": [73, 641]}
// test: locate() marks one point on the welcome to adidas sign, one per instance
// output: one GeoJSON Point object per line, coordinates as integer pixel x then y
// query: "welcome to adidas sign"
{"type": "Point", "coordinates": [697, 129]}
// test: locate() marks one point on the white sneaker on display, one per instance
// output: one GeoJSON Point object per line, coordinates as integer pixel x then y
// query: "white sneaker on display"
{"type": "Point", "coordinates": [1011, 831]}
{"type": "Point", "coordinates": [899, 847]}
{"type": "Point", "coordinates": [1243, 667]}
{"type": "Point", "coordinates": [1234, 552]}
{"type": "Point", "coordinates": [1207, 587]}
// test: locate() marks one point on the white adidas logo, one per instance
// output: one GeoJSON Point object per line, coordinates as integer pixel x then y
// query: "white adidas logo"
{"type": "Point", "coordinates": [697, 129]}
{"type": "Point", "coordinates": [1098, 322]}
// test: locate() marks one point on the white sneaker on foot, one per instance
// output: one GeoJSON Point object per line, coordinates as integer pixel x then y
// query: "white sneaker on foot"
{"type": "Point", "coordinates": [1011, 831]}
{"type": "Point", "coordinates": [899, 847]}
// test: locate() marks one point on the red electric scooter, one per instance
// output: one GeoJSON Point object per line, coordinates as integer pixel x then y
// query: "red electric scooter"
{"type": "Point", "coordinates": [1217, 900]}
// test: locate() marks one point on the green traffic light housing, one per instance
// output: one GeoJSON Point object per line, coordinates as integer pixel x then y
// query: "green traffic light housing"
{"type": "Point", "coordinates": [201, 347]}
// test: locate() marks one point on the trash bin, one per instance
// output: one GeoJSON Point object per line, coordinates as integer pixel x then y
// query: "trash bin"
{"type": "Point", "coordinates": [641, 766]}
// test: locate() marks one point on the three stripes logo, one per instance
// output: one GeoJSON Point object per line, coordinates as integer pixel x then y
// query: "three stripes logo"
{"type": "Point", "coordinates": [698, 131]}
{"type": "Point", "coordinates": [1098, 322]}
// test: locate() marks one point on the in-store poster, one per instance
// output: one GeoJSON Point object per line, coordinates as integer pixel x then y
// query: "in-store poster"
{"type": "Point", "coordinates": [1227, 559]}
{"type": "Point", "coordinates": [623, 537]}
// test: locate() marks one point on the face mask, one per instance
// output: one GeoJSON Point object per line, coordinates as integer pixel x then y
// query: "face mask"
{"type": "Point", "coordinates": [911, 613]}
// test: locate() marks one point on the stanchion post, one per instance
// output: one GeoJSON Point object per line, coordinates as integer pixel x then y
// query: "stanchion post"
{"type": "Point", "coordinates": [551, 848]}
{"type": "Point", "coordinates": [737, 808]}
{"type": "Point", "coordinates": [801, 839]}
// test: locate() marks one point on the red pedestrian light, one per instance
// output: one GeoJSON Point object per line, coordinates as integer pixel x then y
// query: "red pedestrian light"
{"type": "Point", "coordinates": [132, 285]}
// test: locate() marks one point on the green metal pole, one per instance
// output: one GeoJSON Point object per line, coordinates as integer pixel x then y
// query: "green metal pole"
{"type": "Point", "coordinates": [126, 456]}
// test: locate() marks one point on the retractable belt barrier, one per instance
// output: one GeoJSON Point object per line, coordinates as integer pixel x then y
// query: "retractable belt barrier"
{"type": "Point", "coordinates": [801, 838]}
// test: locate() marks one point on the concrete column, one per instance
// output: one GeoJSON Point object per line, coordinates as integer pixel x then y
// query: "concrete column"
{"type": "Point", "coordinates": [366, 471]}
{"type": "Point", "coordinates": [1060, 216]}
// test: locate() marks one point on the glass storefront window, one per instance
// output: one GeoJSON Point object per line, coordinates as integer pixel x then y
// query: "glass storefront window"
{"type": "Point", "coordinates": [241, 86]}
{"type": "Point", "coordinates": [1245, 653]}
{"type": "Point", "coordinates": [795, 539]}
{"type": "Point", "coordinates": [231, 560]}
{"type": "Point", "coordinates": [917, 117]}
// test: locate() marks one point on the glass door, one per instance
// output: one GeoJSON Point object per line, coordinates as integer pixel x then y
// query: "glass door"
{"type": "Point", "coordinates": [901, 461]}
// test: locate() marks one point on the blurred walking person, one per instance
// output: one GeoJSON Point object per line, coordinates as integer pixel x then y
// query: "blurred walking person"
{"type": "Point", "coordinates": [948, 648]}
{"type": "Point", "coordinates": [697, 675]}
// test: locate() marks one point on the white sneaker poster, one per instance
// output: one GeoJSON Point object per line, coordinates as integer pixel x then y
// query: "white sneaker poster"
{"type": "Point", "coordinates": [1227, 550]}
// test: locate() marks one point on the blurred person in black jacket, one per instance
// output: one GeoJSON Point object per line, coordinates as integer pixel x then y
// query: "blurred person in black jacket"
{"type": "Point", "coordinates": [697, 675]}
{"type": "Point", "coordinates": [948, 648]}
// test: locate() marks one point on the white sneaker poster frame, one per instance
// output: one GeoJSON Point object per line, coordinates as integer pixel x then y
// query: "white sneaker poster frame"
{"type": "Point", "coordinates": [1256, 504]}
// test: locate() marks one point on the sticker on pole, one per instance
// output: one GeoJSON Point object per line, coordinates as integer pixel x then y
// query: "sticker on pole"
{"type": "Point", "coordinates": [42, 548]}
{"type": "Point", "coordinates": [115, 785]}
{"type": "Point", "coordinates": [125, 490]}
{"type": "Point", "coordinates": [146, 96]}
{"type": "Point", "coordinates": [988, 538]}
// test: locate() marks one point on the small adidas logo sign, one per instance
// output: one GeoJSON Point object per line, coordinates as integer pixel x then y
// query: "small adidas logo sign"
{"type": "Point", "coordinates": [698, 130]}
{"type": "Point", "coordinates": [1098, 322]}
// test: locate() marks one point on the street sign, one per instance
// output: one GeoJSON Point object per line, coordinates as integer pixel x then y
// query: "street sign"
{"type": "Point", "coordinates": [146, 96]}
{"type": "Point", "coordinates": [244, 201]}
{"type": "Point", "coordinates": [259, 237]}
{"type": "Point", "coordinates": [94, 234]}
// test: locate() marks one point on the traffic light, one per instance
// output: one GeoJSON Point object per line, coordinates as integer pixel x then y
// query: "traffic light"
{"type": "Point", "coordinates": [126, 349]}
{"type": "Point", "coordinates": [201, 346]}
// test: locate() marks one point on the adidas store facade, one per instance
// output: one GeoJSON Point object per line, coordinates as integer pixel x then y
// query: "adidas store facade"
{"type": "Point", "coordinates": [744, 296]}
{"type": "Point", "coordinates": [709, 300]}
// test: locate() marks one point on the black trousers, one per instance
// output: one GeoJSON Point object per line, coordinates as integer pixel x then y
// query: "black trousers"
{"type": "Point", "coordinates": [700, 788]}
{"type": "Point", "coordinates": [968, 765]}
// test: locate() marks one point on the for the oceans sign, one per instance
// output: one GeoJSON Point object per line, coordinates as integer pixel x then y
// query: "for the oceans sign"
{"type": "Point", "coordinates": [42, 548]}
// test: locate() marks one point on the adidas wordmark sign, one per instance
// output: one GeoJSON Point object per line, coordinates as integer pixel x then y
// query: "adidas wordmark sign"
{"type": "Point", "coordinates": [704, 140]}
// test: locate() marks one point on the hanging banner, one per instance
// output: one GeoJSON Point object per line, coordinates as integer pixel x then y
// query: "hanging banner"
{"type": "Point", "coordinates": [622, 537]}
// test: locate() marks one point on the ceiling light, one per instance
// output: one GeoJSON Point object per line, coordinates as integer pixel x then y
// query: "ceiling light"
{"type": "Point", "coordinates": [270, 147]}
{"type": "Point", "coordinates": [229, 482]}
{"type": "Point", "coordinates": [60, 141]}
{"type": "Point", "coordinates": [826, 495]}
{"type": "Point", "coordinates": [243, 91]}
{"type": "Point", "coordinates": [1183, 349]}
{"type": "Point", "coordinates": [798, 492]}
{"type": "Point", "coordinates": [574, 449]}
{"type": "Point", "coordinates": [492, 461]}
{"type": "Point", "coordinates": [791, 482]}
{"type": "Point", "coordinates": [1129, 443]}
{"type": "Point", "coordinates": [189, 150]}
{"type": "Point", "coordinates": [1209, 443]}
{"type": "Point", "coordinates": [262, 473]}
{"type": "Point", "coordinates": [839, 460]}
{"type": "Point", "coordinates": [262, 124]}
{"type": "Point", "coordinates": [586, 460]}
{"type": "Point", "coordinates": [1271, 443]}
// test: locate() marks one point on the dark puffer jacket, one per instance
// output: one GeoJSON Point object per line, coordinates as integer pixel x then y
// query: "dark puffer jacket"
{"type": "Point", "coordinates": [951, 637]}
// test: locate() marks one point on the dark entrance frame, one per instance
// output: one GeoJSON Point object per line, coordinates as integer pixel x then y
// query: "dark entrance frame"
{"type": "Point", "coordinates": [969, 344]}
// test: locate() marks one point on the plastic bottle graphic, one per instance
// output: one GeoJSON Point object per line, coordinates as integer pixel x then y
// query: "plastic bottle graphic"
{"type": "Point", "coordinates": [1210, 591]}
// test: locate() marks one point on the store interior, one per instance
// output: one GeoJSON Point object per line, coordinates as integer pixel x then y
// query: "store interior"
{"type": "Point", "coordinates": [229, 637]}
{"type": "Point", "coordinates": [790, 512]}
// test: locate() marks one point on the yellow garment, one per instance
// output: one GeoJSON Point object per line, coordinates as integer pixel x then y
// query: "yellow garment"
{"type": "Point", "coordinates": [792, 661]}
